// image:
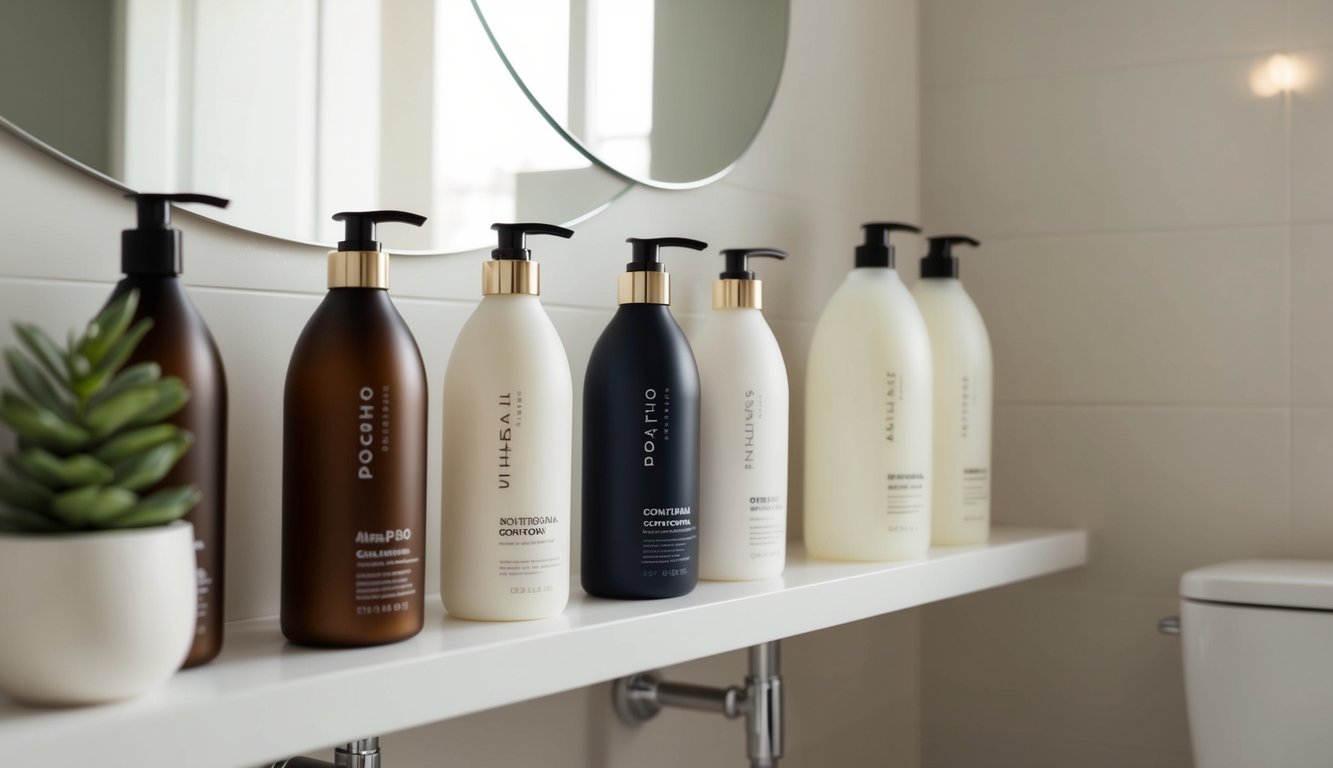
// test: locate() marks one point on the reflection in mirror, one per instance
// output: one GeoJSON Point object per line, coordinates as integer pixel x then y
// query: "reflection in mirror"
{"type": "Point", "coordinates": [669, 93]}
{"type": "Point", "coordinates": [296, 109]}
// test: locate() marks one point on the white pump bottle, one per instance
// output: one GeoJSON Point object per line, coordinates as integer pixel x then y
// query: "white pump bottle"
{"type": "Point", "coordinates": [508, 443]}
{"type": "Point", "coordinates": [868, 416]}
{"type": "Point", "coordinates": [964, 398]}
{"type": "Point", "coordinates": [743, 431]}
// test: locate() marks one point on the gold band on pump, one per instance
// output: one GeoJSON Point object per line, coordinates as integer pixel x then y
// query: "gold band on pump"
{"type": "Point", "coordinates": [510, 276]}
{"type": "Point", "coordinates": [358, 269]}
{"type": "Point", "coordinates": [645, 288]}
{"type": "Point", "coordinates": [738, 294]}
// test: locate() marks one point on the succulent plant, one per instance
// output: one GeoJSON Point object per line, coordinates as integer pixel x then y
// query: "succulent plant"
{"type": "Point", "coordinates": [92, 433]}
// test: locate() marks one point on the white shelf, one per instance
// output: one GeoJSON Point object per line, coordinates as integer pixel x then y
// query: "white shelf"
{"type": "Point", "coordinates": [262, 699]}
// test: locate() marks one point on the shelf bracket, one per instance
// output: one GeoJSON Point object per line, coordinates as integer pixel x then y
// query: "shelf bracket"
{"type": "Point", "coordinates": [362, 753]}
{"type": "Point", "coordinates": [638, 698]}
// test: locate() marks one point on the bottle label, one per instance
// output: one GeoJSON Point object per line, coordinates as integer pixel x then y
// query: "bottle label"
{"type": "Point", "coordinates": [668, 536]}
{"type": "Point", "coordinates": [768, 526]}
{"type": "Point", "coordinates": [385, 565]}
{"type": "Point", "coordinates": [372, 435]}
{"type": "Point", "coordinates": [753, 410]}
{"type": "Point", "coordinates": [656, 422]}
{"type": "Point", "coordinates": [976, 494]}
{"type": "Point", "coordinates": [511, 417]}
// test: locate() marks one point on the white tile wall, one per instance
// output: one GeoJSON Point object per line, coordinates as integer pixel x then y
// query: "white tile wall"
{"type": "Point", "coordinates": [1157, 260]}
{"type": "Point", "coordinates": [827, 159]}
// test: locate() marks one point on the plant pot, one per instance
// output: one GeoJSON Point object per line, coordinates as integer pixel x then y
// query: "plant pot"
{"type": "Point", "coordinates": [88, 618]}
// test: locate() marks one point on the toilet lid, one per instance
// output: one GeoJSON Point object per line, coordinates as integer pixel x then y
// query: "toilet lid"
{"type": "Point", "coordinates": [1277, 583]}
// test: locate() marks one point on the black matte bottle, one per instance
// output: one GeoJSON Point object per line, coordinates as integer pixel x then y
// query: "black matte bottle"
{"type": "Point", "coordinates": [641, 442]}
{"type": "Point", "coordinates": [354, 458]}
{"type": "Point", "coordinates": [180, 343]}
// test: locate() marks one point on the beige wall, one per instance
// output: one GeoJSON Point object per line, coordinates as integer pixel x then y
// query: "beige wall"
{"type": "Point", "coordinates": [1155, 278]}
{"type": "Point", "coordinates": [827, 159]}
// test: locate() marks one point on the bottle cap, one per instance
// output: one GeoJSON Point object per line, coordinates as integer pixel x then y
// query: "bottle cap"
{"type": "Point", "coordinates": [645, 280]}
{"type": "Point", "coordinates": [359, 262]}
{"type": "Point", "coordinates": [154, 247]}
{"type": "Point", "coordinates": [737, 288]}
{"type": "Point", "coordinates": [877, 251]}
{"type": "Point", "coordinates": [940, 261]}
{"type": "Point", "coordinates": [511, 268]}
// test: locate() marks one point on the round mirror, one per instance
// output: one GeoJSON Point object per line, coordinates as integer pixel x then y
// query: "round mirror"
{"type": "Point", "coordinates": [296, 110]}
{"type": "Point", "coordinates": [667, 93]}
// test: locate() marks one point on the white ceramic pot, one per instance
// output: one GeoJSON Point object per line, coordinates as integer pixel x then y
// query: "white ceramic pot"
{"type": "Point", "coordinates": [87, 618]}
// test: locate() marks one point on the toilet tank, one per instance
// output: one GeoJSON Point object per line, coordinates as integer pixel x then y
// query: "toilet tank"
{"type": "Point", "coordinates": [1258, 646]}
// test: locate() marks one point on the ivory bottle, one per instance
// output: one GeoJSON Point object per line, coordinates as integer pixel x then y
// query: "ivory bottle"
{"type": "Point", "coordinates": [743, 431]}
{"type": "Point", "coordinates": [508, 438]}
{"type": "Point", "coordinates": [868, 416]}
{"type": "Point", "coordinates": [964, 398]}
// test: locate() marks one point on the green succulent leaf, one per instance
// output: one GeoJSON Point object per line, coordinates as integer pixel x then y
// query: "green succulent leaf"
{"type": "Point", "coordinates": [88, 379]}
{"type": "Point", "coordinates": [127, 445]}
{"type": "Point", "coordinates": [107, 327]}
{"type": "Point", "coordinates": [172, 396]}
{"type": "Point", "coordinates": [116, 412]}
{"type": "Point", "coordinates": [92, 506]}
{"type": "Point", "coordinates": [44, 349]}
{"type": "Point", "coordinates": [55, 472]}
{"type": "Point", "coordinates": [36, 384]}
{"type": "Point", "coordinates": [22, 493]}
{"type": "Point", "coordinates": [149, 468]}
{"type": "Point", "coordinates": [129, 378]}
{"type": "Point", "coordinates": [40, 427]}
{"type": "Point", "coordinates": [163, 507]}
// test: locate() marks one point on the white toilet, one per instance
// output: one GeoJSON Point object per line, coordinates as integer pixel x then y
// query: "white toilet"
{"type": "Point", "coordinates": [1258, 645]}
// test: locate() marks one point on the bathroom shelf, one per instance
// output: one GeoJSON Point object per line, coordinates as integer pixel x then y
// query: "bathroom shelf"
{"type": "Point", "coordinates": [263, 700]}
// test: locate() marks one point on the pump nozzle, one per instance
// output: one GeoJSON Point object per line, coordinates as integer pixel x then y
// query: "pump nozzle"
{"type": "Point", "coordinates": [154, 248]}
{"type": "Point", "coordinates": [646, 257]}
{"type": "Point", "coordinates": [513, 238]}
{"type": "Point", "coordinates": [360, 227]}
{"type": "Point", "coordinates": [877, 251]}
{"type": "Point", "coordinates": [738, 261]}
{"type": "Point", "coordinates": [940, 261]}
{"type": "Point", "coordinates": [645, 280]}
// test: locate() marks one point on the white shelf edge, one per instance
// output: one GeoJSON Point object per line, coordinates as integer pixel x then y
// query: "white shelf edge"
{"type": "Point", "coordinates": [263, 700]}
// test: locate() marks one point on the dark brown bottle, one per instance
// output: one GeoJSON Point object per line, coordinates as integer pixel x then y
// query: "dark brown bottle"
{"type": "Point", "coordinates": [354, 458]}
{"type": "Point", "coordinates": [180, 343]}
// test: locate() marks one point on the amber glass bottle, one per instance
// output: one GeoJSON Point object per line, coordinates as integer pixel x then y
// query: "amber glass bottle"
{"type": "Point", "coordinates": [180, 343]}
{"type": "Point", "coordinates": [354, 458]}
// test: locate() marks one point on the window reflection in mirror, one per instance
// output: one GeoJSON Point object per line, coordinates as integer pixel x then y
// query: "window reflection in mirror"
{"type": "Point", "coordinates": [298, 108]}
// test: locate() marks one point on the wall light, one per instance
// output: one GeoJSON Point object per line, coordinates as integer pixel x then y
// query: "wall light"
{"type": "Point", "coordinates": [1280, 74]}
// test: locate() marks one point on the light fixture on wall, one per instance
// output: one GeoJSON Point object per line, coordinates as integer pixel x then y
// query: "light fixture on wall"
{"type": "Point", "coordinates": [1280, 74]}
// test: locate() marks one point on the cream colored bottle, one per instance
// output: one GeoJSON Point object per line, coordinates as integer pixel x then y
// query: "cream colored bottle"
{"type": "Point", "coordinates": [508, 443]}
{"type": "Point", "coordinates": [868, 416]}
{"type": "Point", "coordinates": [743, 431]}
{"type": "Point", "coordinates": [964, 398]}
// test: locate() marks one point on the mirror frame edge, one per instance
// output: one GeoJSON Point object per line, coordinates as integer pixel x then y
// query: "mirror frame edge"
{"type": "Point", "coordinates": [592, 157]}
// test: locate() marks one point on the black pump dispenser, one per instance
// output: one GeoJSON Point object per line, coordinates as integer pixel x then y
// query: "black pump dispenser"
{"type": "Point", "coordinates": [154, 248]}
{"type": "Point", "coordinates": [513, 239]}
{"type": "Point", "coordinates": [646, 257]}
{"type": "Point", "coordinates": [940, 261]}
{"type": "Point", "coordinates": [359, 228]}
{"type": "Point", "coordinates": [877, 251]}
{"type": "Point", "coordinates": [738, 261]}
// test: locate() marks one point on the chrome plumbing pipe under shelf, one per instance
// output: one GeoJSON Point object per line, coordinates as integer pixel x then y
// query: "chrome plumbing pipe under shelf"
{"type": "Point", "coordinates": [638, 698]}
{"type": "Point", "coordinates": [362, 753]}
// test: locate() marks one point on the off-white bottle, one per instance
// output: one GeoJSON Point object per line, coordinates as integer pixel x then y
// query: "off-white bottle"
{"type": "Point", "coordinates": [743, 431]}
{"type": "Point", "coordinates": [868, 416]}
{"type": "Point", "coordinates": [960, 349]}
{"type": "Point", "coordinates": [508, 443]}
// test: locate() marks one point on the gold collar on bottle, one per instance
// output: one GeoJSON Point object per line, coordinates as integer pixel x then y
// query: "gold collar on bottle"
{"type": "Point", "coordinates": [645, 288]}
{"type": "Point", "coordinates": [738, 294]}
{"type": "Point", "coordinates": [359, 269]}
{"type": "Point", "coordinates": [510, 276]}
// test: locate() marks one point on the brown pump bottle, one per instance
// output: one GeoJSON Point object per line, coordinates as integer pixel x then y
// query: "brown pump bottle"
{"type": "Point", "coordinates": [180, 343]}
{"type": "Point", "coordinates": [354, 458]}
